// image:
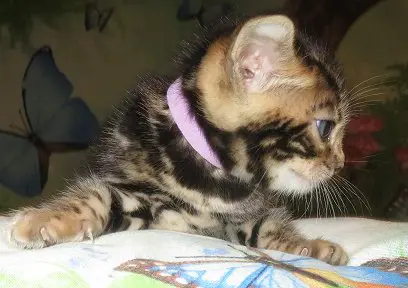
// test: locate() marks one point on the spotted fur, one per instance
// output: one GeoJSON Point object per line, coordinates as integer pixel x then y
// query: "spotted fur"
{"type": "Point", "coordinates": [259, 118]}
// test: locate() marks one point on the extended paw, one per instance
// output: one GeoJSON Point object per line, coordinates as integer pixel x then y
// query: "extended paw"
{"type": "Point", "coordinates": [326, 251]}
{"type": "Point", "coordinates": [37, 228]}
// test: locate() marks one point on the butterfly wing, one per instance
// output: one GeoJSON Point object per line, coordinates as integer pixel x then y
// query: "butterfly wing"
{"type": "Point", "coordinates": [45, 89]}
{"type": "Point", "coordinates": [20, 165]}
{"type": "Point", "coordinates": [215, 273]}
{"type": "Point", "coordinates": [189, 9]}
{"type": "Point", "coordinates": [214, 12]}
{"type": "Point", "coordinates": [73, 125]}
{"type": "Point", "coordinates": [104, 18]}
{"type": "Point", "coordinates": [92, 16]}
{"type": "Point", "coordinates": [51, 113]}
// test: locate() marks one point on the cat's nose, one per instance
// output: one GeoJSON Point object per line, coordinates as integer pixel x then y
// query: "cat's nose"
{"type": "Point", "coordinates": [335, 165]}
{"type": "Point", "coordinates": [338, 165]}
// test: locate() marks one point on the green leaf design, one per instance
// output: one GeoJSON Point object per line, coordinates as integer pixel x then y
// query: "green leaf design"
{"type": "Point", "coordinates": [66, 279]}
{"type": "Point", "coordinates": [11, 281]}
{"type": "Point", "coordinates": [132, 280]}
{"type": "Point", "coordinates": [63, 280]}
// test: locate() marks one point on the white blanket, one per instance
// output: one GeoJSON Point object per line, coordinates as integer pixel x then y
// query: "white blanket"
{"type": "Point", "coordinates": [96, 264]}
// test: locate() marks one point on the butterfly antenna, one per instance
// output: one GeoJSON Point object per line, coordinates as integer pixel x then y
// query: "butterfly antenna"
{"type": "Point", "coordinates": [104, 17]}
{"type": "Point", "coordinates": [200, 17]}
{"type": "Point", "coordinates": [16, 128]}
{"type": "Point", "coordinates": [26, 127]}
{"type": "Point", "coordinates": [260, 254]}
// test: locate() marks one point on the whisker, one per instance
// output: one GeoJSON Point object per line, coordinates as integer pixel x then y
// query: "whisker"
{"type": "Point", "coordinates": [367, 100]}
{"type": "Point", "coordinates": [374, 101]}
{"type": "Point", "coordinates": [319, 193]}
{"type": "Point", "coordinates": [356, 192]}
{"type": "Point", "coordinates": [259, 182]}
{"type": "Point", "coordinates": [333, 192]}
{"type": "Point", "coordinates": [372, 87]}
{"type": "Point", "coordinates": [361, 108]}
{"type": "Point", "coordinates": [371, 155]}
{"type": "Point", "coordinates": [317, 204]}
{"type": "Point", "coordinates": [338, 184]}
{"type": "Point", "coordinates": [356, 108]}
{"type": "Point", "coordinates": [361, 93]}
{"type": "Point", "coordinates": [367, 80]}
{"type": "Point", "coordinates": [309, 204]}
{"type": "Point", "coordinates": [329, 206]}
{"type": "Point", "coordinates": [329, 194]}
{"type": "Point", "coordinates": [366, 97]}
{"type": "Point", "coordinates": [359, 169]}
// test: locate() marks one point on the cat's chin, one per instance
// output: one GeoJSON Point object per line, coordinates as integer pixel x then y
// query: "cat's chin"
{"type": "Point", "coordinates": [289, 181]}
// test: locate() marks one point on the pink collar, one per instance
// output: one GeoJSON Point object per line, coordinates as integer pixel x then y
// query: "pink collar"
{"type": "Point", "coordinates": [188, 125]}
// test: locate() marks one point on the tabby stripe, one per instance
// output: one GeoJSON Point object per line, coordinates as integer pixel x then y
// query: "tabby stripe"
{"type": "Point", "coordinates": [186, 206]}
{"type": "Point", "coordinates": [141, 187]}
{"type": "Point", "coordinates": [191, 173]}
{"type": "Point", "coordinates": [165, 206]}
{"type": "Point", "coordinates": [143, 213]}
{"type": "Point", "coordinates": [116, 221]}
{"type": "Point", "coordinates": [253, 240]}
{"type": "Point", "coordinates": [241, 235]}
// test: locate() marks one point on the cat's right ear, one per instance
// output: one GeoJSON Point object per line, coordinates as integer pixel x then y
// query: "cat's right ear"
{"type": "Point", "coordinates": [260, 51]}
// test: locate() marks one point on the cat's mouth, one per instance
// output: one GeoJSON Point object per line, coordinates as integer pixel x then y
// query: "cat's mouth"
{"type": "Point", "coordinates": [322, 176]}
{"type": "Point", "coordinates": [292, 181]}
{"type": "Point", "coordinates": [298, 174]}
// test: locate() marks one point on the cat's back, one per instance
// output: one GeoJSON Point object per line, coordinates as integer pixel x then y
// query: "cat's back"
{"type": "Point", "coordinates": [131, 134]}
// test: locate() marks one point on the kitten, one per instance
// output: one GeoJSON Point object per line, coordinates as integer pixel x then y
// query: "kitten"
{"type": "Point", "coordinates": [258, 112]}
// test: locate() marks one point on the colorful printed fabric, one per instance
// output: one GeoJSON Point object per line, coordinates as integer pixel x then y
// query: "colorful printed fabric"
{"type": "Point", "coordinates": [168, 259]}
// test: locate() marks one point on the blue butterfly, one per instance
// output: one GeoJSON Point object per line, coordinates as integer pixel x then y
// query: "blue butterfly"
{"type": "Point", "coordinates": [53, 122]}
{"type": "Point", "coordinates": [95, 17]}
{"type": "Point", "coordinates": [257, 271]}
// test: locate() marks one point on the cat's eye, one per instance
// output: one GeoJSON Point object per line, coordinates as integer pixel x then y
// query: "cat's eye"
{"type": "Point", "coordinates": [325, 128]}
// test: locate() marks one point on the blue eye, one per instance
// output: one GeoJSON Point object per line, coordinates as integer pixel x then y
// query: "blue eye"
{"type": "Point", "coordinates": [325, 128]}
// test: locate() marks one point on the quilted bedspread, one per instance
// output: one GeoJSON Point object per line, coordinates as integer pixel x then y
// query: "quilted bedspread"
{"type": "Point", "coordinates": [151, 258]}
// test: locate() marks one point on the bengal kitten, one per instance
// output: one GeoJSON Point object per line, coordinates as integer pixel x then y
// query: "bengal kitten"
{"type": "Point", "coordinates": [258, 111]}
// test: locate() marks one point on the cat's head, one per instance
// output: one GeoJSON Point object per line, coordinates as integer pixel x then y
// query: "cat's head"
{"type": "Point", "coordinates": [279, 103]}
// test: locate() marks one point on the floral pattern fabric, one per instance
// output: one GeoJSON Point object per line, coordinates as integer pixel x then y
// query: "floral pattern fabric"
{"type": "Point", "coordinates": [169, 259]}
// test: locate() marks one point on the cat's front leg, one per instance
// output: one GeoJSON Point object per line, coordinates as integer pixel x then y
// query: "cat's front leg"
{"type": "Point", "coordinates": [81, 212]}
{"type": "Point", "coordinates": [274, 233]}
{"type": "Point", "coordinates": [85, 210]}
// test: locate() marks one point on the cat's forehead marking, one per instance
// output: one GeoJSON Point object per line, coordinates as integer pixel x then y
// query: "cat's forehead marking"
{"type": "Point", "coordinates": [324, 105]}
{"type": "Point", "coordinates": [327, 103]}
{"type": "Point", "coordinates": [298, 91]}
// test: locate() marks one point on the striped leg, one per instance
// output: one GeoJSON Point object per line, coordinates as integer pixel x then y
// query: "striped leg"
{"type": "Point", "coordinates": [86, 210]}
{"type": "Point", "coordinates": [279, 234]}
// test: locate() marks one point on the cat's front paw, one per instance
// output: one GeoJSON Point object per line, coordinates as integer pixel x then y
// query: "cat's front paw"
{"type": "Point", "coordinates": [37, 228]}
{"type": "Point", "coordinates": [329, 252]}
{"type": "Point", "coordinates": [323, 250]}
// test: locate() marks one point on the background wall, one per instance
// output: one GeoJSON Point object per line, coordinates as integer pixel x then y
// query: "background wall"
{"type": "Point", "coordinates": [142, 36]}
{"type": "Point", "coordinates": [378, 39]}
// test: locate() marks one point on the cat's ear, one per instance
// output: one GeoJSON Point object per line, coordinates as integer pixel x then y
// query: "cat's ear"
{"type": "Point", "coordinates": [260, 51]}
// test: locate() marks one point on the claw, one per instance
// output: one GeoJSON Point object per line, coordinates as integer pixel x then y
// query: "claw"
{"type": "Point", "coordinates": [44, 234]}
{"type": "Point", "coordinates": [88, 234]}
{"type": "Point", "coordinates": [304, 252]}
